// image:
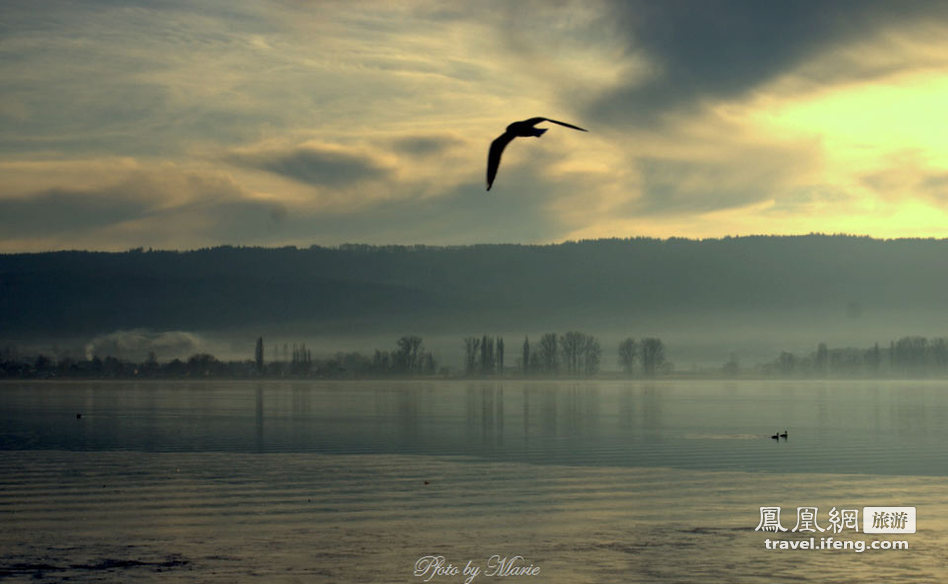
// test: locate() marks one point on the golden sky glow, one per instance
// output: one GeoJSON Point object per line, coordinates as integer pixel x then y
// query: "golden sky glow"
{"type": "Point", "coordinates": [323, 122]}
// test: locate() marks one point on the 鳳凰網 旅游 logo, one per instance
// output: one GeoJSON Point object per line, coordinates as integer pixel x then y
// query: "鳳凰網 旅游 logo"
{"type": "Point", "coordinates": [808, 520]}
{"type": "Point", "coordinates": [823, 528]}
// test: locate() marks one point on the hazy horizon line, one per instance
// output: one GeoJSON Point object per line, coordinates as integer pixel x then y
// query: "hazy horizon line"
{"type": "Point", "coordinates": [418, 245]}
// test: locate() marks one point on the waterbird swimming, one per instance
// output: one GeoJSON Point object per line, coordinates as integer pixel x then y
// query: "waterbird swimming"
{"type": "Point", "coordinates": [521, 129]}
{"type": "Point", "coordinates": [776, 436]}
{"type": "Point", "coordinates": [784, 435]}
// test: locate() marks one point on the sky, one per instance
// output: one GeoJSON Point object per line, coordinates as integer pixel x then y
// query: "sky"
{"type": "Point", "coordinates": [178, 124]}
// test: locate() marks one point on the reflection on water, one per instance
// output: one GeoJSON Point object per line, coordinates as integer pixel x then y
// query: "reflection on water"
{"type": "Point", "coordinates": [234, 517]}
{"type": "Point", "coordinates": [856, 427]}
{"type": "Point", "coordinates": [353, 482]}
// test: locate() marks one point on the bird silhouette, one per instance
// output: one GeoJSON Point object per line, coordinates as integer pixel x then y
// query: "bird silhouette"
{"type": "Point", "coordinates": [521, 129]}
{"type": "Point", "coordinates": [784, 435]}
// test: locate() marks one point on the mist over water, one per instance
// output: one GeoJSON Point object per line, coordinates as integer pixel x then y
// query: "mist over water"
{"type": "Point", "coordinates": [833, 426]}
{"type": "Point", "coordinates": [752, 297]}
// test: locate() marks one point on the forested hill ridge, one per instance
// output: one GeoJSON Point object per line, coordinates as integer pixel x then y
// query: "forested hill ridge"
{"type": "Point", "coordinates": [596, 281]}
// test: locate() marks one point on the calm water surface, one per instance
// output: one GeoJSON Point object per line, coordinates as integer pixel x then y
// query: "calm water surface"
{"type": "Point", "coordinates": [354, 481]}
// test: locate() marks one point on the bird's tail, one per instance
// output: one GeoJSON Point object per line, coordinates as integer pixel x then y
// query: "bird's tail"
{"type": "Point", "coordinates": [537, 132]}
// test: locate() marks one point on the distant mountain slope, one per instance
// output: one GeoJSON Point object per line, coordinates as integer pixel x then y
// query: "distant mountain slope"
{"type": "Point", "coordinates": [522, 285]}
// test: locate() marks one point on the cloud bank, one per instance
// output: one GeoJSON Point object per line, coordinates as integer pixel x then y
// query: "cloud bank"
{"type": "Point", "coordinates": [180, 125]}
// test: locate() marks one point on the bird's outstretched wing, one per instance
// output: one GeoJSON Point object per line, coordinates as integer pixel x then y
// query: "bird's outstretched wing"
{"type": "Point", "coordinates": [561, 123]}
{"type": "Point", "coordinates": [493, 156]}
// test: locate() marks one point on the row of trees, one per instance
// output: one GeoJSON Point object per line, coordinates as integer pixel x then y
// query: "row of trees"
{"type": "Point", "coordinates": [484, 355]}
{"type": "Point", "coordinates": [408, 358]}
{"type": "Point", "coordinates": [649, 354]}
{"type": "Point", "coordinates": [197, 366]}
{"type": "Point", "coordinates": [573, 353]}
{"type": "Point", "coordinates": [913, 355]}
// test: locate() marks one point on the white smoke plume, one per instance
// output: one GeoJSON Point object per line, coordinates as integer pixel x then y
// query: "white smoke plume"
{"type": "Point", "coordinates": [137, 344]}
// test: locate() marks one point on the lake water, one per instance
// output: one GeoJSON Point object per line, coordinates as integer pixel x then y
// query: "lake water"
{"type": "Point", "coordinates": [602, 481]}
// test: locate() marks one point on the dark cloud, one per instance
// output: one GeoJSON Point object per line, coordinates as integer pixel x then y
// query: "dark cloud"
{"type": "Point", "coordinates": [464, 216]}
{"type": "Point", "coordinates": [161, 208]}
{"type": "Point", "coordinates": [315, 165]}
{"type": "Point", "coordinates": [909, 175]}
{"type": "Point", "coordinates": [936, 185]}
{"type": "Point", "coordinates": [240, 220]}
{"type": "Point", "coordinates": [60, 211]}
{"type": "Point", "coordinates": [674, 186]}
{"type": "Point", "coordinates": [721, 49]}
{"type": "Point", "coordinates": [425, 145]}
{"type": "Point", "coordinates": [518, 210]}
{"type": "Point", "coordinates": [750, 175]}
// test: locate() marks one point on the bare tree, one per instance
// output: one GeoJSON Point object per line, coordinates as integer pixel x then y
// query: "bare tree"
{"type": "Point", "coordinates": [258, 355]}
{"type": "Point", "coordinates": [581, 353]}
{"type": "Point", "coordinates": [591, 355]}
{"type": "Point", "coordinates": [653, 355]}
{"type": "Point", "coordinates": [407, 357]}
{"type": "Point", "coordinates": [471, 348]}
{"type": "Point", "coordinates": [429, 366]}
{"type": "Point", "coordinates": [500, 355]}
{"type": "Point", "coordinates": [571, 347]}
{"type": "Point", "coordinates": [628, 351]}
{"type": "Point", "coordinates": [381, 362]}
{"type": "Point", "coordinates": [487, 355]}
{"type": "Point", "coordinates": [548, 354]}
{"type": "Point", "coordinates": [822, 358]}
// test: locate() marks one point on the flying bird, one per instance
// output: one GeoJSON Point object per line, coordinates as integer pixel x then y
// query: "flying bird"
{"type": "Point", "coordinates": [522, 129]}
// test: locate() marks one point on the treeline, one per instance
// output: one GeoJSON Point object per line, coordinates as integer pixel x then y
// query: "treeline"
{"type": "Point", "coordinates": [911, 356]}
{"type": "Point", "coordinates": [200, 365]}
{"type": "Point", "coordinates": [574, 354]}
{"type": "Point", "coordinates": [484, 286]}
{"type": "Point", "coordinates": [409, 358]}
